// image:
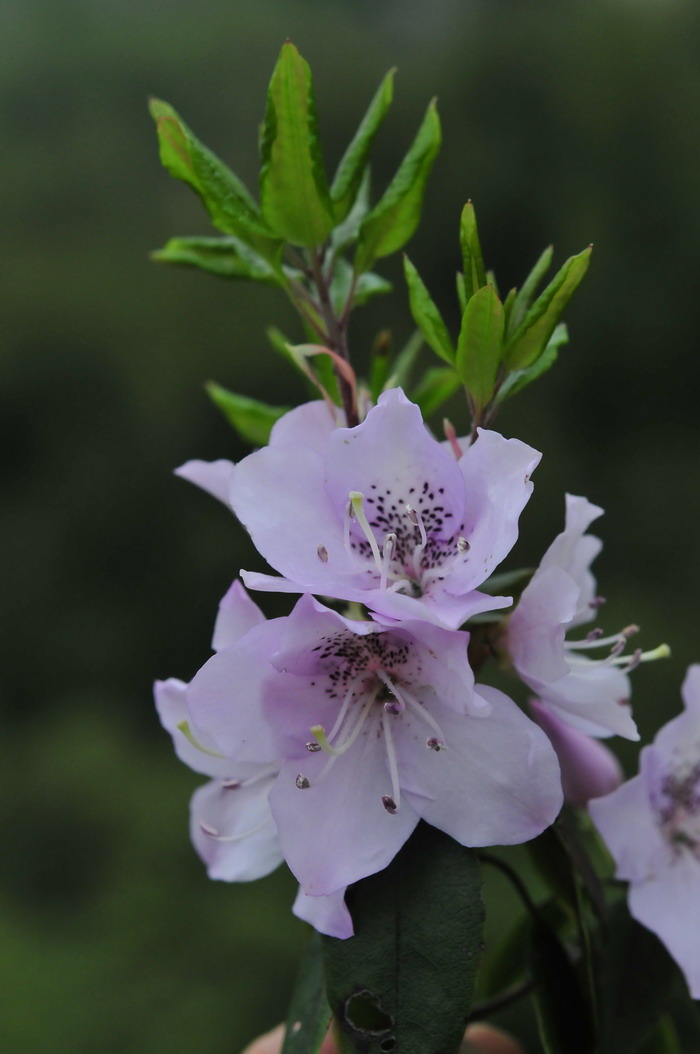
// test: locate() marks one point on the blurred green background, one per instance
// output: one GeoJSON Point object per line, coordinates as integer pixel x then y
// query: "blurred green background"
{"type": "Point", "coordinates": [565, 122]}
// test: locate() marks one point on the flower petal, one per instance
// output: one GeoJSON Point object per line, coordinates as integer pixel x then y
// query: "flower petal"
{"type": "Point", "coordinates": [310, 424]}
{"type": "Point", "coordinates": [235, 855]}
{"type": "Point", "coordinates": [237, 614]}
{"type": "Point", "coordinates": [588, 769]}
{"type": "Point", "coordinates": [327, 914]}
{"type": "Point", "coordinates": [172, 711]}
{"type": "Point", "coordinates": [538, 626]}
{"type": "Point", "coordinates": [628, 828]}
{"type": "Point", "coordinates": [212, 476]}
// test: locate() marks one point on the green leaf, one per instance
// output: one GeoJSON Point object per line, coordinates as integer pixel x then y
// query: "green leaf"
{"type": "Point", "coordinates": [395, 217]}
{"type": "Point", "coordinates": [426, 314]}
{"type": "Point", "coordinates": [406, 980]}
{"type": "Point", "coordinates": [518, 379]}
{"type": "Point", "coordinates": [226, 257]}
{"type": "Point", "coordinates": [461, 291]}
{"type": "Point", "coordinates": [638, 983]}
{"type": "Point", "coordinates": [349, 230]}
{"type": "Point", "coordinates": [380, 364]}
{"type": "Point", "coordinates": [228, 202]}
{"type": "Point", "coordinates": [532, 335]}
{"type": "Point", "coordinates": [524, 295]}
{"type": "Point", "coordinates": [294, 195]}
{"type": "Point", "coordinates": [474, 274]}
{"type": "Point", "coordinates": [353, 163]}
{"type": "Point", "coordinates": [309, 1013]}
{"type": "Point", "coordinates": [479, 345]}
{"type": "Point", "coordinates": [405, 361]}
{"type": "Point", "coordinates": [562, 1016]}
{"type": "Point", "coordinates": [664, 1039]}
{"type": "Point", "coordinates": [367, 286]}
{"type": "Point", "coordinates": [251, 419]}
{"type": "Point", "coordinates": [435, 388]}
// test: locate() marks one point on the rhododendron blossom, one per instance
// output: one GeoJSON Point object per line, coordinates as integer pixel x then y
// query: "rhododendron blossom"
{"type": "Point", "coordinates": [651, 824]}
{"type": "Point", "coordinates": [376, 726]}
{"type": "Point", "coordinates": [383, 513]}
{"type": "Point", "coordinates": [589, 694]}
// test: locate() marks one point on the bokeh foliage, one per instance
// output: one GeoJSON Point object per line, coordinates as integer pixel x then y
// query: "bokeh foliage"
{"type": "Point", "coordinates": [568, 123]}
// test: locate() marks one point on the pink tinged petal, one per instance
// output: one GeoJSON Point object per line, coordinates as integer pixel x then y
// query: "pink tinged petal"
{"type": "Point", "coordinates": [328, 914]}
{"type": "Point", "coordinates": [538, 626]}
{"type": "Point", "coordinates": [172, 710]}
{"type": "Point", "coordinates": [588, 769]}
{"type": "Point", "coordinates": [226, 697]}
{"type": "Point", "coordinates": [629, 829]}
{"type": "Point", "coordinates": [310, 424]}
{"type": "Point", "coordinates": [338, 831]}
{"type": "Point", "coordinates": [669, 905]}
{"type": "Point", "coordinates": [237, 614]}
{"type": "Point", "coordinates": [594, 699]}
{"type": "Point", "coordinates": [212, 476]}
{"type": "Point", "coordinates": [497, 783]}
{"type": "Point", "coordinates": [233, 831]}
{"type": "Point", "coordinates": [496, 474]}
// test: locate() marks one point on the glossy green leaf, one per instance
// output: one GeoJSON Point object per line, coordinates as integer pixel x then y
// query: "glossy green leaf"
{"type": "Point", "coordinates": [562, 1015]}
{"type": "Point", "coordinates": [479, 345]}
{"type": "Point", "coordinates": [348, 231]}
{"type": "Point", "coordinates": [524, 295]}
{"type": "Point", "coordinates": [294, 195]}
{"type": "Point", "coordinates": [518, 379]}
{"type": "Point", "coordinates": [406, 980]}
{"type": "Point", "coordinates": [531, 337]}
{"type": "Point", "coordinates": [637, 985]}
{"type": "Point", "coordinates": [226, 257]}
{"type": "Point", "coordinates": [353, 163]}
{"type": "Point", "coordinates": [252, 420]}
{"type": "Point", "coordinates": [426, 315]}
{"type": "Point", "coordinates": [435, 388]}
{"type": "Point", "coordinates": [461, 291]}
{"type": "Point", "coordinates": [228, 202]}
{"type": "Point", "coordinates": [473, 261]}
{"type": "Point", "coordinates": [392, 221]}
{"type": "Point", "coordinates": [309, 1013]}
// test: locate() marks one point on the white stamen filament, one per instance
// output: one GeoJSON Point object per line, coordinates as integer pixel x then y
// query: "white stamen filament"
{"type": "Point", "coordinates": [388, 683]}
{"type": "Point", "coordinates": [319, 732]}
{"type": "Point", "coordinates": [428, 718]}
{"type": "Point", "coordinates": [357, 505]}
{"type": "Point", "coordinates": [627, 662]}
{"type": "Point", "coordinates": [212, 832]}
{"type": "Point", "coordinates": [600, 642]}
{"type": "Point", "coordinates": [391, 758]}
{"type": "Point", "coordinates": [417, 521]}
{"type": "Point", "coordinates": [387, 553]}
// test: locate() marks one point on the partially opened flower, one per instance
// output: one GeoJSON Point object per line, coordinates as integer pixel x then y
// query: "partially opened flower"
{"type": "Point", "coordinates": [231, 825]}
{"type": "Point", "coordinates": [377, 726]}
{"type": "Point", "coordinates": [589, 694]}
{"type": "Point", "coordinates": [383, 513]}
{"type": "Point", "coordinates": [651, 825]}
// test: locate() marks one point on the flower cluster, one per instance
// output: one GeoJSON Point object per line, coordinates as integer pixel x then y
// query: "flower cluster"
{"type": "Point", "coordinates": [329, 737]}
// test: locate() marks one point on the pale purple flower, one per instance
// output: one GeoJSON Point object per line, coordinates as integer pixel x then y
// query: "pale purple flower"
{"type": "Point", "coordinates": [588, 768]}
{"type": "Point", "coordinates": [231, 825]}
{"type": "Point", "coordinates": [212, 476]}
{"type": "Point", "coordinates": [383, 513]}
{"type": "Point", "coordinates": [377, 726]}
{"type": "Point", "coordinates": [651, 825]}
{"type": "Point", "coordinates": [591, 695]}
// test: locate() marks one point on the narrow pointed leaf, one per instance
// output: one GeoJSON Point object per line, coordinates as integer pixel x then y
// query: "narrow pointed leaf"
{"type": "Point", "coordinates": [294, 194]}
{"type": "Point", "coordinates": [532, 335]}
{"type": "Point", "coordinates": [226, 257]}
{"type": "Point", "coordinates": [348, 231]}
{"type": "Point", "coordinates": [518, 379]}
{"type": "Point", "coordinates": [228, 202]}
{"type": "Point", "coordinates": [353, 163]}
{"type": "Point", "coordinates": [309, 1013]}
{"type": "Point", "coordinates": [406, 980]}
{"type": "Point", "coordinates": [461, 291]}
{"type": "Point", "coordinates": [392, 221]}
{"type": "Point", "coordinates": [562, 1015]}
{"type": "Point", "coordinates": [480, 344]}
{"type": "Point", "coordinates": [368, 285]}
{"type": "Point", "coordinates": [405, 361]}
{"type": "Point", "coordinates": [525, 294]}
{"type": "Point", "coordinates": [426, 314]}
{"type": "Point", "coordinates": [435, 388]}
{"type": "Point", "coordinates": [252, 420]}
{"type": "Point", "coordinates": [474, 273]}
